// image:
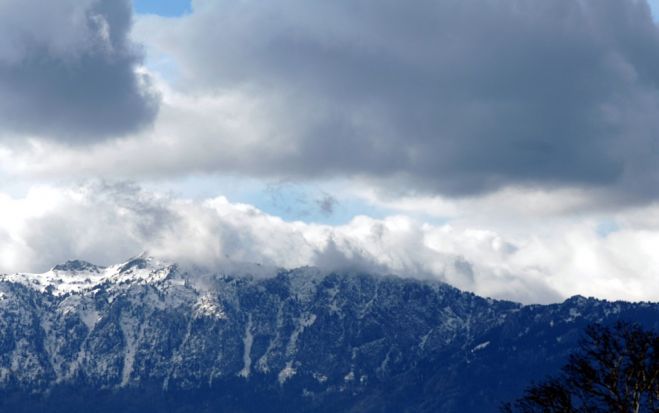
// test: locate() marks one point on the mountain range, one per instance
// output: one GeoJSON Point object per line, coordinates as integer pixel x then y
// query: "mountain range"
{"type": "Point", "coordinates": [152, 336]}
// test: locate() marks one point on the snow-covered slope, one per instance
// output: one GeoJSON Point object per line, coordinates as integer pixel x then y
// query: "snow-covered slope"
{"type": "Point", "coordinates": [323, 339]}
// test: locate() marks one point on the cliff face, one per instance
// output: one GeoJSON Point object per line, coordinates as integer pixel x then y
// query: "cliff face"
{"type": "Point", "coordinates": [147, 336]}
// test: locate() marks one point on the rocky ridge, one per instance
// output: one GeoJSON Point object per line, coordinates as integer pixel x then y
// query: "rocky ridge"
{"type": "Point", "coordinates": [298, 340]}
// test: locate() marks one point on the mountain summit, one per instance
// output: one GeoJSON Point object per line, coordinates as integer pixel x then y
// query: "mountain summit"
{"type": "Point", "coordinates": [148, 336]}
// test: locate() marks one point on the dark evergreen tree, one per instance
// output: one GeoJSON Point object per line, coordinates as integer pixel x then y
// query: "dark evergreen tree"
{"type": "Point", "coordinates": [616, 369]}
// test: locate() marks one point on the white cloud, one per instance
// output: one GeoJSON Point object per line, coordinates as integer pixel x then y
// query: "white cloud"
{"type": "Point", "coordinates": [192, 133]}
{"type": "Point", "coordinates": [108, 223]}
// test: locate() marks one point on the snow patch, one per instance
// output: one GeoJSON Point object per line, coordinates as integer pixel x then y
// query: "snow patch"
{"type": "Point", "coordinates": [333, 306]}
{"type": "Point", "coordinates": [480, 346]}
{"type": "Point", "coordinates": [209, 306]}
{"type": "Point", "coordinates": [304, 282]}
{"type": "Point", "coordinates": [424, 339]}
{"type": "Point", "coordinates": [128, 327]}
{"type": "Point", "coordinates": [286, 373]}
{"type": "Point", "coordinates": [89, 318]}
{"type": "Point", "coordinates": [303, 323]}
{"type": "Point", "coordinates": [574, 314]}
{"type": "Point", "coordinates": [67, 279]}
{"type": "Point", "coordinates": [263, 363]}
{"type": "Point", "coordinates": [320, 378]}
{"type": "Point", "coordinates": [248, 340]}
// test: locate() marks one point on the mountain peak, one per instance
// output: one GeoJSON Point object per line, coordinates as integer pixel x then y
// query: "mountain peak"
{"type": "Point", "coordinates": [135, 263]}
{"type": "Point", "coordinates": [579, 299]}
{"type": "Point", "coordinates": [143, 261]}
{"type": "Point", "coordinates": [76, 266]}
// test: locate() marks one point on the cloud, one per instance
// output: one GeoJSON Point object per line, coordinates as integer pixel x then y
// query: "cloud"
{"type": "Point", "coordinates": [327, 204]}
{"type": "Point", "coordinates": [435, 96]}
{"type": "Point", "coordinates": [107, 223]}
{"type": "Point", "coordinates": [68, 71]}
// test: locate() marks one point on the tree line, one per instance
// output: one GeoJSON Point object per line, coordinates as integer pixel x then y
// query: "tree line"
{"type": "Point", "coordinates": [615, 369]}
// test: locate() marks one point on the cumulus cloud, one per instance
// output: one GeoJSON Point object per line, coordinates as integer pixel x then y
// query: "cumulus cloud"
{"type": "Point", "coordinates": [68, 71]}
{"type": "Point", "coordinates": [438, 96]}
{"type": "Point", "coordinates": [107, 223]}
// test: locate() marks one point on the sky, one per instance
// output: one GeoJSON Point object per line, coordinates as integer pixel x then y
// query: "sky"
{"type": "Point", "coordinates": [507, 147]}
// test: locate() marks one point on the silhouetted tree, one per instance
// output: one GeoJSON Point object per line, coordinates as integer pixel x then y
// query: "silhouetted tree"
{"type": "Point", "coordinates": [615, 369]}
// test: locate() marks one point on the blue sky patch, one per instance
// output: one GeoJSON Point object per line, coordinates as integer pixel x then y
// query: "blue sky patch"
{"type": "Point", "coordinates": [290, 201]}
{"type": "Point", "coordinates": [654, 5]}
{"type": "Point", "coordinates": [166, 8]}
{"type": "Point", "coordinates": [606, 227]}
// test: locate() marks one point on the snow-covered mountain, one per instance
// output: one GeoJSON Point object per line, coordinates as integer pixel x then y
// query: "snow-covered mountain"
{"type": "Point", "coordinates": [150, 336]}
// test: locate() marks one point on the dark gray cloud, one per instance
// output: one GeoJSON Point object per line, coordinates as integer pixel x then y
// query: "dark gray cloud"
{"type": "Point", "coordinates": [67, 70]}
{"type": "Point", "coordinates": [447, 96]}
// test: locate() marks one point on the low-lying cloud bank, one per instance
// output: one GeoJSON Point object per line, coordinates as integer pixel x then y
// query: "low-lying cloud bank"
{"type": "Point", "coordinates": [106, 224]}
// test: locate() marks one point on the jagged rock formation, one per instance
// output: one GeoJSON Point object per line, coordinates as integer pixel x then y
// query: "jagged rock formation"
{"type": "Point", "coordinates": [148, 336]}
